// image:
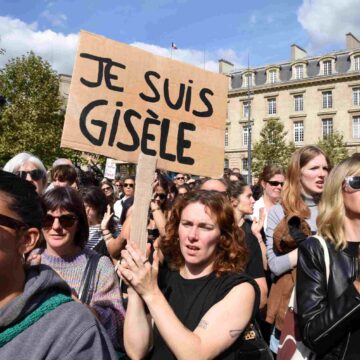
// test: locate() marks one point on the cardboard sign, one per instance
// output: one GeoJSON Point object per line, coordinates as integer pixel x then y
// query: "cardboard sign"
{"type": "Point", "coordinates": [125, 101]}
{"type": "Point", "coordinates": [110, 169]}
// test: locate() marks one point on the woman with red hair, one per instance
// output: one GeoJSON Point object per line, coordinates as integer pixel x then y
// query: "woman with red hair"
{"type": "Point", "coordinates": [200, 303]}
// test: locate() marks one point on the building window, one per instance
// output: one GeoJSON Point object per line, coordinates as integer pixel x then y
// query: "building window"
{"type": "Point", "coordinates": [298, 132]}
{"type": "Point", "coordinates": [245, 136]}
{"type": "Point", "coordinates": [356, 127]}
{"type": "Point", "coordinates": [299, 72]}
{"type": "Point", "coordinates": [246, 109]}
{"type": "Point", "coordinates": [272, 76]}
{"type": "Point", "coordinates": [327, 127]}
{"type": "Point", "coordinates": [327, 67]}
{"type": "Point", "coordinates": [245, 164]}
{"type": "Point", "coordinates": [356, 96]}
{"type": "Point", "coordinates": [299, 103]}
{"type": "Point", "coordinates": [248, 80]}
{"type": "Point", "coordinates": [327, 100]}
{"type": "Point", "coordinates": [357, 63]}
{"type": "Point", "coordinates": [226, 137]}
{"type": "Point", "coordinates": [272, 106]}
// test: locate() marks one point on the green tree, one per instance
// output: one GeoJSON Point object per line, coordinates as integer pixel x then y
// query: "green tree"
{"type": "Point", "coordinates": [32, 117]}
{"type": "Point", "coordinates": [272, 147]}
{"type": "Point", "coordinates": [334, 146]}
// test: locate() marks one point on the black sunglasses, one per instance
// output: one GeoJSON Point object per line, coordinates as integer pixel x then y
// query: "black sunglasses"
{"type": "Point", "coordinates": [161, 196]}
{"type": "Point", "coordinates": [128, 185]}
{"type": "Point", "coordinates": [180, 178]}
{"type": "Point", "coordinates": [353, 182]}
{"type": "Point", "coordinates": [276, 183]}
{"type": "Point", "coordinates": [12, 223]}
{"type": "Point", "coordinates": [35, 175]}
{"type": "Point", "coordinates": [66, 221]}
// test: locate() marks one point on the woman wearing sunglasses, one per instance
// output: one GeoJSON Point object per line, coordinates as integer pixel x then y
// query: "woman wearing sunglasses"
{"type": "Point", "coordinates": [30, 168]}
{"type": "Point", "coordinates": [271, 181]}
{"type": "Point", "coordinates": [291, 222]}
{"type": "Point", "coordinates": [66, 231]}
{"type": "Point", "coordinates": [329, 309]}
{"type": "Point", "coordinates": [38, 319]}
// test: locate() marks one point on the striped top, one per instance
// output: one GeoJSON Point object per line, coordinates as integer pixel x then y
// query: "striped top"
{"type": "Point", "coordinates": [95, 235]}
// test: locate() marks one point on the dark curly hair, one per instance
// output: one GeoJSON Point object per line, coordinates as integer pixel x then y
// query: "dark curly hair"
{"type": "Point", "coordinates": [231, 251]}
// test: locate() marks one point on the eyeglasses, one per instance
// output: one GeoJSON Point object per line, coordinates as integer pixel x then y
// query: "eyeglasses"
{"type": "Point", "coordinates": [35, 175]}
{"type": "Point", "coordinates": [161, 196]}
{"type": "Point", "coordinates": [180, 178]}
{"type": "Point", "coordinates": [66, 221]}
{"type": "Point", "coordinates": [106, 188]}
{"type": "Point", "coordinates": [276, 183]}
{"type": "Point", "coordinates": [353, 182]}
{"type": "Point", "coordinates": [12, 223]}
{"type": "Point", "coordinates": [128, 185]}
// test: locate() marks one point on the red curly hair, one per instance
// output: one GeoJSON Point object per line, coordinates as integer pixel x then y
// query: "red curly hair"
{"type": "Point", "coordinates": [231, 251]}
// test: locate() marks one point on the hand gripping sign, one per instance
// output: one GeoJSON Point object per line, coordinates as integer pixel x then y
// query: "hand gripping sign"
{"type": "Point", "coordinates": [124, 102]}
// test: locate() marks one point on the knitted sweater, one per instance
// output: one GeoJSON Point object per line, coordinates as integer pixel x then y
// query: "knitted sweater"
{"type": "Point", "coordinates": [106, 300]}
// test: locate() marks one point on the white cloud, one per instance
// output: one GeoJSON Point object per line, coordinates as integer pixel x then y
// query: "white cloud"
{"type": "Point", "coordinates": [55, 19]}
{"type": "Point", "coordinates": [18, 38]}
{"type": "Point", "coordinates": [327, 21]}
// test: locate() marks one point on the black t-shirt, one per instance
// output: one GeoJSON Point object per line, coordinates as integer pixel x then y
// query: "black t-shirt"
{"type": "Point", "coordinates": [191, 299]}
{"type": "Point", "coordinates": [254, 267]}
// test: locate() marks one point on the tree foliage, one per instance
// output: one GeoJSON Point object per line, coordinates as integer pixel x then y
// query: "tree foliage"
{"type": "Point", "coordinates": [333, 145]}
{"type": "Point", "coordinates": [32, 117]}
{"type": "Point", "coordinates": [272, 147]}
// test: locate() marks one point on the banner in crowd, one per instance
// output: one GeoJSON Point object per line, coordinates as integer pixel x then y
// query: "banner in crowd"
{"type": "Point", "coordinates": [124, 100]}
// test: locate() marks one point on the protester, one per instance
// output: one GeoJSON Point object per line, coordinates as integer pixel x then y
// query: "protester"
{"type": "Point", "coordinates": [108, 189]}
{"type": "Point", "coordinates": [30, 168]}
{"type": "Point", "coordinates": [179, 179]}
{"type": "Point", "coordinates": [290, 221]}
{"type": "Point", "coordinates": [129, 191]}
{"type": "Point", "coordinates": [220, 185]}
{"type": "Point", "coordinates": [243, 202]}
{"type": "Point", "coordinates": [63, 175]}
{"type": "Point", "coordinates": [38, 319]}
{"type": "Point", "coordinates": [119, 186]}
{"type": "Point", "coordinates": [66, 232]}
{"type": "Point", "coordinates": [329, 310]}
{"type": "Point", "coordinates": [271, 181]}
{"type": "Point", "coordinates": [183, 189]}
{"type": "Point", "coordinates": [203, 303]}
{"type": "Point", "coordinates": [103, 229]}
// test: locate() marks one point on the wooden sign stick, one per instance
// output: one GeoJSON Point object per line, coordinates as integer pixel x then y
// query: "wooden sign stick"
{"type": "Point", "coordinates": [143, 192]}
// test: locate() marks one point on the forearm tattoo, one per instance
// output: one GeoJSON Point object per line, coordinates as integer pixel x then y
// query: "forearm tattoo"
{"type": "Point", "coordinates": [203, 324]}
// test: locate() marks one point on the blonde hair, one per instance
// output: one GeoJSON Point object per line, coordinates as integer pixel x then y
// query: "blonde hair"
{"type": "Point", "coordinates": [291, 196]}
{"type": "Point", "coordinates": [330, 221]}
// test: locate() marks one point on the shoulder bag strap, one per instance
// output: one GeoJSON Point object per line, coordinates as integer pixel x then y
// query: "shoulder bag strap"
{"type": "Point", "coordinates": [326, 256]}
{"type": "Point", "coordinates": [87, 284]}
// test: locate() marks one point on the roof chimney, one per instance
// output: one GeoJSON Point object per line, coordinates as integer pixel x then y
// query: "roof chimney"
{"type": "Point", "coordinates": [352, 42]}
{"type": "Point", "coordinates": [297, 52]}
{"type": "Point", "coordinates": [225, 66]}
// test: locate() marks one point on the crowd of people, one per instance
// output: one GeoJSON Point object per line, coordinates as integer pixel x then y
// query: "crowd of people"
{"type": "Point", "coordinates": [224, 260]}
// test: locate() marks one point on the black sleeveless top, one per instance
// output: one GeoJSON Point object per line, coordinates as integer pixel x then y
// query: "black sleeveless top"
{"type": "Point", "coordinates": [191, 299]}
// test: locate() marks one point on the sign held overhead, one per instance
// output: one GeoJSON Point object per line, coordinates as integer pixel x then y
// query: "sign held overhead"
{"type": "Point", "coordinates": [125, 101]}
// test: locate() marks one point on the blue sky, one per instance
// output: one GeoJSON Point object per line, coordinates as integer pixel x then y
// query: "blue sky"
{"type": "Point", "coordinates": [229, 29]}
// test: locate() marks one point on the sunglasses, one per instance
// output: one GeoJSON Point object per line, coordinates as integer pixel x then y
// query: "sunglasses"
{"type": "Point", "coordinates": [180, 178]}
{"type": "Point", "coordinates": [12, 223]}
{"type": "Point", "coordinates": [35, 175]}
{"type": "Point", "coordinates": [276, 183]}
{"type": "Point", "coordinates": [352, 182]}
{"type": "Point", "coordinates": [106, 188]}
{"type": "Point", "coordinates": [66, 221]}
{"type": "Point", "coordinates": [129, 185]}
{"type": "Point", "coordinates": [161, 196]}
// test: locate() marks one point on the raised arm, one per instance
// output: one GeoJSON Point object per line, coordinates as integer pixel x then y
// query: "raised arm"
{"type": "Point", "coordinates": [218, 329]}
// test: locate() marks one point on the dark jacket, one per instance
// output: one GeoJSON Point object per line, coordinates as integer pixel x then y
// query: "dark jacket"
{"type": "Point", "coordinates": [68, 332]}
{"type": "Point", "coordinates": [327, 312]}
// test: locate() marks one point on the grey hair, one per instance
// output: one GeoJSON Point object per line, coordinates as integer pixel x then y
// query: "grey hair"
{"type": "Point", "coordinates": [15, 163]}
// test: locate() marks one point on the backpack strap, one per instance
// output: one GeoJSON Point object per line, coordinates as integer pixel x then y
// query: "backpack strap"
{"type": "Point", "coordinates": [45, 307]}
{"type": "Point", "coordinates": [87, 284]}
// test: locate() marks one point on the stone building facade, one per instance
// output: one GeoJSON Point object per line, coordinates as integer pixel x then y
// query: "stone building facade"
{"type": "Point", "coordinates": [311, 95]}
